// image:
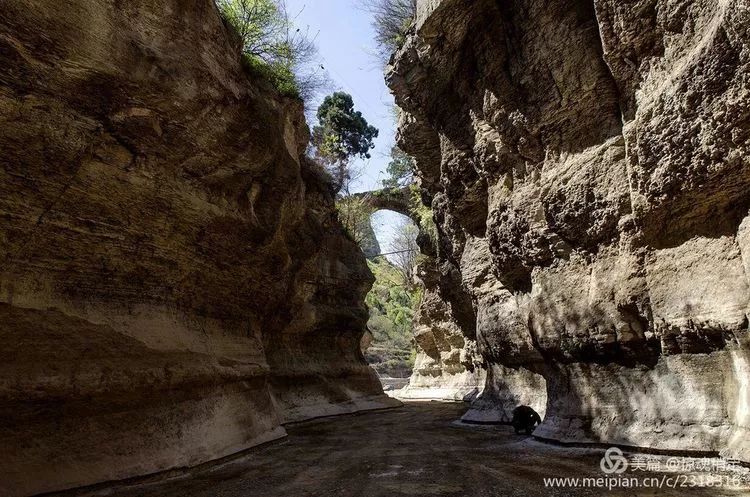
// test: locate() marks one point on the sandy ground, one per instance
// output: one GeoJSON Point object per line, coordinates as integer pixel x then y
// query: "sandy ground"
{"type": "Point", "coordinates": [417, 450]}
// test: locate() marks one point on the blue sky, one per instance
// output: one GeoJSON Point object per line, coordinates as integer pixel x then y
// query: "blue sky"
{"type": "Point", "coordinates": [345, 40]}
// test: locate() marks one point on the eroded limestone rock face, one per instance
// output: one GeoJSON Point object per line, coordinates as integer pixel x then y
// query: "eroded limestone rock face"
{"type": "Point", "coordinates": [587, 163]}
{"type": "Point", "coordinates": [174, 281]}
{"type": "Point", "coordinates": [447, 366]}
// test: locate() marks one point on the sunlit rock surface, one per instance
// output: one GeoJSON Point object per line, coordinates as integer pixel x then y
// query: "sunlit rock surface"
{"type": "Point", "coordinates": [447, 365]}
{"type": "Point", "coordinates": [587, 164]}
{"type": "Point", "coordinates": [174, 281]}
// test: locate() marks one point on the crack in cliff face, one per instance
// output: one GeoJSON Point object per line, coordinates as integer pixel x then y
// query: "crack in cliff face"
{"type": "Point", "coordinates": [15, 254]}
{"type": "Point", "coordinates": [613, 200]}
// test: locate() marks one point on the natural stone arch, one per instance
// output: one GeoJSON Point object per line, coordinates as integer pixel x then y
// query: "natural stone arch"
{"type": "Point", "coordinates": [397, 200]}
{"type": "Point", "coordinates": [390, 199]}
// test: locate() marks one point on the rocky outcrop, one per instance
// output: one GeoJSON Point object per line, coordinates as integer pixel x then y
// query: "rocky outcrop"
{"type": "Point", "coordinates": [447, 365]}
{"type": "Point", "coordinates": [587, 163]}
{"type": "Point", "coordinates": [175, 284]}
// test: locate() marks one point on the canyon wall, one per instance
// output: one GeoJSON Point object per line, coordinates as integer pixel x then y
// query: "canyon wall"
{"type": "Point", "coordinates": [175, 284]}
{"type": "Point", "coordinates": [447, 365]}
{"type": "Point", "coordinates": [587, 166]}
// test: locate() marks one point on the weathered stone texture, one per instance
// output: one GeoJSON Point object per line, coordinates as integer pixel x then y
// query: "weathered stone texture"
{"type": "Point", "coordinates": [587, 163]}
{"type": "Point", "coordinates": [447, 366]}
{"type": "Point", "coordinates": [174, 283]}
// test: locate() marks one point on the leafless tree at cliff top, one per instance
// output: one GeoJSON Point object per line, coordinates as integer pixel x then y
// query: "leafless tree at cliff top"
{"type": "Point", "coordinates": [406, 250]}
{"type": "Point", "coordinates": [391, 20]}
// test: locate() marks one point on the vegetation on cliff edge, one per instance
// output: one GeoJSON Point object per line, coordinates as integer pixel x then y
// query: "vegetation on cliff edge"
{"type": "Point", "coordinates": [342, 134]}
{"type": "Point", "coordinates": [391, 20]}
{"type": "Point", "coordinates": [272, 48]}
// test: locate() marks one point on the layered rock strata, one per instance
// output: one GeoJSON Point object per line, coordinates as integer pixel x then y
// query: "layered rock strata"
{"type": "Point", "coordinates": [447, 365]}
{"type": "Point", "coordinates": [587, 163]}
{"type": "Point", "coordinates": [175, 284]}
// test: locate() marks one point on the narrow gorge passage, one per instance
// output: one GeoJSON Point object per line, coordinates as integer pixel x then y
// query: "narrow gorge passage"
{"type": "Point", "coordinates": [191, 288]}
{"type": "Point", "coordinates": [417, 450]}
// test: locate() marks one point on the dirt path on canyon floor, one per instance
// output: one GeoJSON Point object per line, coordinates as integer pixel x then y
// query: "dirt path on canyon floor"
{"type": "Point", "coordinates": [417, 450]}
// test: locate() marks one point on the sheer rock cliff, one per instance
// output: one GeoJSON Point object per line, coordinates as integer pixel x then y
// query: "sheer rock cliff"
{"type": "Point", "coordinates": [447, 366]}
{"type": "Point", "coordinates": [175, 284]}
{"type": "Point", "coordinates": [587, 165]}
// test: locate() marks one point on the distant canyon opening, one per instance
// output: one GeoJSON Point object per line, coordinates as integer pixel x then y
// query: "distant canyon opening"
{"type": "Point", "coordinates": [388, 344]}
{"type": "Point", "coordinates": [226, 239]}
